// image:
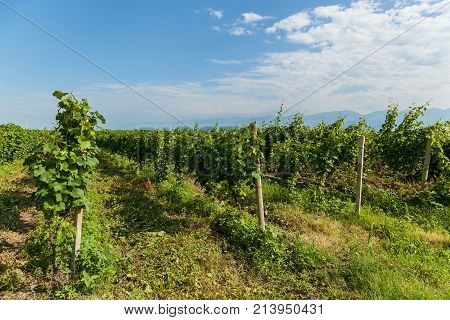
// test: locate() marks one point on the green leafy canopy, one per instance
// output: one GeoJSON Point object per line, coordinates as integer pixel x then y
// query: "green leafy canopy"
{"type": "Point", "coordinates": [63, 165]}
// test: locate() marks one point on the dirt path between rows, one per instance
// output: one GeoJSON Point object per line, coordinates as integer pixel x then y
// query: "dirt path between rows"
{"type": "Point", "coordinates": [17, 220]}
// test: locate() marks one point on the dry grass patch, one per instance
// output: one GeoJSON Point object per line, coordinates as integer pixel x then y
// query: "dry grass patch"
{"type": "Point", "coordinates": [323, 232]}
{"type": "Point", "coordinates": [433, 237]}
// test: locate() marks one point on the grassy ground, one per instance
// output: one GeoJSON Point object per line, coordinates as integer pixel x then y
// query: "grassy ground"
{"type": "Point", "coordinates": [173, 242]}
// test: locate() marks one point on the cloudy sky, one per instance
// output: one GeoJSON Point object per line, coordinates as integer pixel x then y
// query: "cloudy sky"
{"type": "Point", "coordinates": [210, 59]}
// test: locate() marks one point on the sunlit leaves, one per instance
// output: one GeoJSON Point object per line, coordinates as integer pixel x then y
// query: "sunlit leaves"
{"type": "Point", "coordinates": [62, 167]}
{"type": "Point", "coordinates": [59, 94]}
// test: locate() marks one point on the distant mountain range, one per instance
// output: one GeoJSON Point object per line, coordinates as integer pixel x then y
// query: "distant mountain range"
{"type": "Point", "coordinates": [373, 119]}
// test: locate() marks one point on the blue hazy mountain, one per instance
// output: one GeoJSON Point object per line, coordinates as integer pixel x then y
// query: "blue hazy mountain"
{"type": "Point", "coordinates": [373, 119]}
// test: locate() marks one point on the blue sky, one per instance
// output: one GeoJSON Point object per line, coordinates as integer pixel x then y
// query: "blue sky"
{"type": "Point", "coordinates": [219, 58]}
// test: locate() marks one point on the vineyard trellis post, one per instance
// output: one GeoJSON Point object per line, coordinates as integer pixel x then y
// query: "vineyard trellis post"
{"type": "Point", "coordinates": [426, 163]}
{"type": "Point", "coordinates": [360, 167]}
{"type": "Point", "coordinates": [258, 182]}
{"type": "Point", "coordinates": [78, 221]}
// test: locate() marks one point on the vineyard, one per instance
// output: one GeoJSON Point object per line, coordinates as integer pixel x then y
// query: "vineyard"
{"type": "Point", "coordinates": [258, 211]}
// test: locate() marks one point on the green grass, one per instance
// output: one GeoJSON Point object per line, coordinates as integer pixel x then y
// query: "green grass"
{"type": "Point", "coordinates": [170, 240]}
{"type": "Point", "coordinates": [381, 256]}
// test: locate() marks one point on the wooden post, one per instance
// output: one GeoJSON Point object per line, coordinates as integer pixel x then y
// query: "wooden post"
{"type": "Point", "coordinates": [78, 221]}
{"type": "Point", "coordinates": [426, 163]}
{"type": "Point", "coordinates": [258, 183]}
{"type": "Point", "coordinates": [360, 174]}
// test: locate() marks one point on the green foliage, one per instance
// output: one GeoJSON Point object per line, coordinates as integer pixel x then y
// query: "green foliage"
{"type": "Point", "coordinates": [421, 208]}
{"type": "Point", "coordinates": [224, 160]}
{"type": "Point", "coordinates": [265, 250]}
{"type": "Point", "coordinates": [218, 157]}
{"type": "Point", "coordinates": [269, 251]}
{"type": "Point", "coordinates": [317, 248]}
{"type": "Point", "coordinates": [308, 257]}
{"type": "Point", "coordinates": [402, 147]}
{"type": "Point", "coordinates": [96, 261]}
{"type": "Point", "coordinates": [181, 199]}
{"type": "Point", "coordinates": [62, 167]}
{"type": "Point", "coordinates": [16, 142]}
{"type": "Point", "coordinates": [440, 162]}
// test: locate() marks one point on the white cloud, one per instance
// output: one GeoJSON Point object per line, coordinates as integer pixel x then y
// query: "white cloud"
{"type": "Point", "coordinates": [246, 24]}
{"type": "Point", "coordinates": [238, 31]}
{"type": "Point", "coordinates": [300, 37]}
{"type": "Point", "coordinates": [291, 23]}
{"type": "Point", "coordinates": [251, 17]}
{"type": "Point", "coordinates": [220, 61]}
{"type": "Point", "coordinates": [218, 14]}
{"type": "Point", "coordinates": [413, 68]}
{"type": "Point", "coordinates": [327, 11]}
